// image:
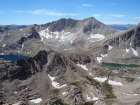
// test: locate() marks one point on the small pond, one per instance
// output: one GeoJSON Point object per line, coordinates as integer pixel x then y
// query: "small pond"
{"type": "Point", "coordinates": [14, 58]}
{"type": "Point", "coordinates": [119, 65]}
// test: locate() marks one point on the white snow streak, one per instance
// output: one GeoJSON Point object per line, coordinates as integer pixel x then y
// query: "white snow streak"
{"type": "Point", "coordinates": [1, 53]}
{"type": "Point", "coordinates": [93, 98]}
{"type": "Point", "coordinates": [110, 81]}
{"type": "Point", "coordinates": [104, 55]}
{"type": "Point", "coordinates": [15, 92]}
{"type": "Point", "coordinates": [83, 66]}
{"type": "Point", "coordinates": [115, 83]}
{"type": "Point", "coordinates": [90, 74]}
{"type": "Point", "coordinates": [64, 93]}
{"type": "Point", "coordinates": [3, 45]}
{"type": "Point", "coordinates": [97, 36]}
{"type": "Point", "coordinates": [99, 59]}
{"type": "Point", "coordinates": [135, 94]}
{"type": "Point", "coordinates": [38, 100]}
{"type": "Point", "coordinates": [127, 50]}
{"type": "Point", "coordinates": [61, 36]}
{"type": "Point", "coordinates": [56, 84]}
{"type": "Point", "coordinates": [100, 79]}
{"type": "Point", "coordinates": [134, 52]}
{"type": "Point", "coordinates": [44, 33]}
{"type": "Point", "coordinates": [22, 45]}
{"type": "Point", "coordinates": [110, 47]}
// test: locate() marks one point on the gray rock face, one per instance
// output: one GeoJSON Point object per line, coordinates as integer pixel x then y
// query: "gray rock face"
{"type": "Point", "coordinates": [30, 79]}
{"type": "Point", "coordinates": [74, 96]}
{"type": "Point", "coordinates": [122, 47]}
{"type": "Point", "coordinates": [58, 35]}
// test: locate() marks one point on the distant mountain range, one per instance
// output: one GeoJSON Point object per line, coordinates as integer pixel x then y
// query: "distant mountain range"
{"type": "Point", "coordinates": [121, 27]}
{"type": "Point", "coordinates": [115, 26]}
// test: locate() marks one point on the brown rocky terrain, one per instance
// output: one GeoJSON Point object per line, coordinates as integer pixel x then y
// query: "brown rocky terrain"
{"type": "Point", "coordinates": [65, 65]}
{"type": "Point", "coordinates": [56, 77]}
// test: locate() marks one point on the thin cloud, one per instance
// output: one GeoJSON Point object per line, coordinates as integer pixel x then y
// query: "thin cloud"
{"type": "Point", "coordinates": [46, 12]}
{"type": "Point", "coordinates": [97, 15]}
{"type": "Point", "coordinates": [87, 5]}
{"type": "Point", "coordinates": [19, 11]}
{"type": "Point", "coordinates": [116, 15]}
{"type": "Point", "coordinates": [138, 17]}
{"type": "Point", "coordinates": [113, 4]}
{"type": "Point", "coordinates": [0, 12]}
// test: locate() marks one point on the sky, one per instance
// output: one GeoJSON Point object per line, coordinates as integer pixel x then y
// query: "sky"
{"type": "Point", "coordinates": [27, 12]}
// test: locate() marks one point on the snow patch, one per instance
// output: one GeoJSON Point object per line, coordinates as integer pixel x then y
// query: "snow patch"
{"type": "Point", "coordinates": [56, 34]}
{"type": "Point", "coordinates": [100, 79]}
{"type": "Point", "coordinates": [92, 41]}
{"type": "Point", "coordinates": [97, 36]}
{"type": "Point", "coordinates": [90, 74]}
{"type": "Point", "coordinates": [83, 66]}
{"type": "Point", "coordinates": [15, 92]}
{"type": "Point", "coordinates": [104, 55]}
{"type": "Point", "coordinates": [127, 50]}
{"type": "Point", "coordinates": [38, 100]}
{"type": "Point", "coordinates": [1, 53]}
{"type": "Point", "coordinates": [44, 33]}
{"type": "Point", "coordinates": [93, 98]}
{"type": "Point", "coordinates": [135, 94]}
{"type": "Point", "coordinates": [22, 45]}
{"type": "Point", "coordinates": [99, 59]}
{"type": "Point", "coordinates": [20, 29]}
{"type": "Point", "coordinates": [61, 36]}
{"type": "Point", "coordinates": [115, 83]}
{"type": "Point", "coordinates": [41, 38]}
{"type": "Point", "coordinates": [110, 47]}
{"type": "Point", "coordinates": [56, 84]}
{"type": "Point", "coordinates": [134, 52]}
{"type": "Point", "coordinates": [64, 93]}
{"type": "Point", "coordinates": [3, 45]}
{"type": "Point", "coordinates": [110, 81]}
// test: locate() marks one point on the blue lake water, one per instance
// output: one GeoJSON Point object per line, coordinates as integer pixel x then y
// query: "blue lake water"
{"type": "Point", "coordinates": [14, 58]}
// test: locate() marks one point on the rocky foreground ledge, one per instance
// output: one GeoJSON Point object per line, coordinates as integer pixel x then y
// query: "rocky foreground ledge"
{"type": "Point", "coordinates": [55, 78]}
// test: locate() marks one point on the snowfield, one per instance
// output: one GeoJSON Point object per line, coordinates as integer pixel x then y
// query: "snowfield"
{"type": "Point", "coordinates": [110, 47]}
{"type": "Point", "coordinates": [83, 66]}
{"type": "Point", "coordinates": [110, 81]}
{"type": "Point", "coordinates": [61, 36]}
{"type": "Point", "coordinates": [38, 100]}
{"type": "Point", "coordinates": [97, 36]}
{"type": "Point", "coordinates": [104, 55]}
{"type": "Point", "coordinates": [99, 59]}
{"type": "Point", "coordinates": [100, 79]}
{"type": "Point", "coordinates": [127, 50]}
{"type": "Point", "coordinates": [3, 45]}
{"type": "Point", "coordinates": [56, 84]}
{"type": "Point", "coordinates": [134, 52]}
{"type": "Point", "coordinates": [93, 98]}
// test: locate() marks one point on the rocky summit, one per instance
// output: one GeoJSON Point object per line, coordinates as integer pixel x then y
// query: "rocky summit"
{"type": "Point", "coordinates": [71, 62]}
